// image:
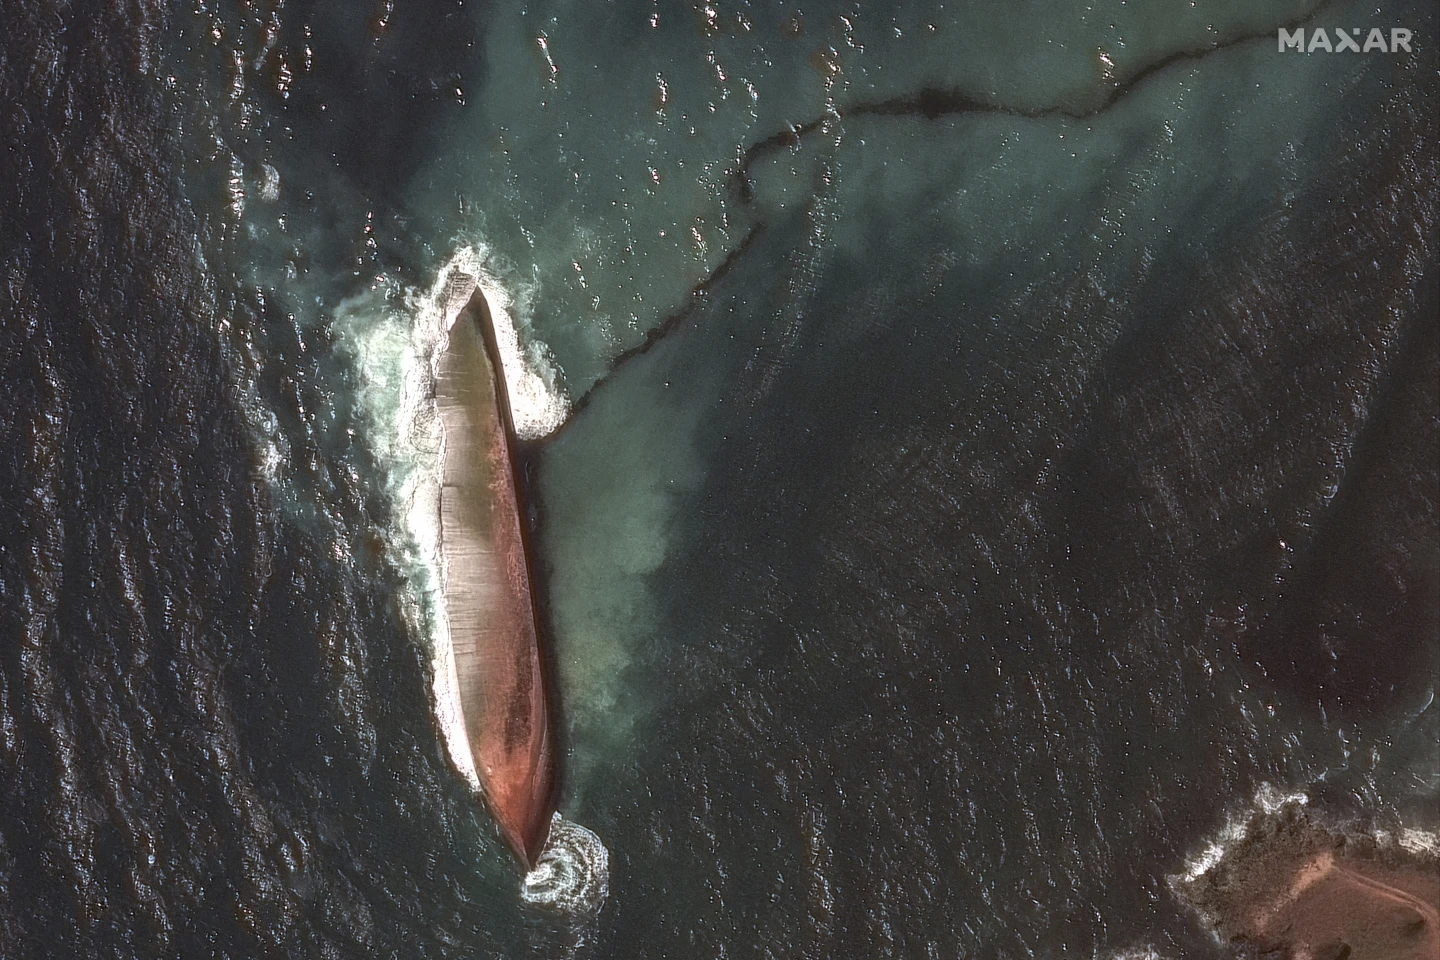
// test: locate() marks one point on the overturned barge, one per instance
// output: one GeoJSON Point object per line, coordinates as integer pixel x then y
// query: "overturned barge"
{"type": "Point", "coordinates": [488, 596]}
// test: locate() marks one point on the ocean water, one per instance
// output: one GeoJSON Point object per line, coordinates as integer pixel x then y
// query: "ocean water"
{"type": "Point", "coordinates": [977, 454]}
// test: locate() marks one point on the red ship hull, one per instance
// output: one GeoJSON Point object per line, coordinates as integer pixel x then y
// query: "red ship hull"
{"type": "Point", "coordinates": [489, 601]}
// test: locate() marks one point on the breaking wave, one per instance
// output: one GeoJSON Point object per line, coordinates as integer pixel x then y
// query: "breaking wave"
{"type": "Point", "coordinates": [573, 872]}
{"type": "Point", "coordinates": [1268, 800]}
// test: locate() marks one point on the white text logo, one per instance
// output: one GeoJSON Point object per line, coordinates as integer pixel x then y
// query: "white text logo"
{"type": "Point", "coordinates": [1346, 41]}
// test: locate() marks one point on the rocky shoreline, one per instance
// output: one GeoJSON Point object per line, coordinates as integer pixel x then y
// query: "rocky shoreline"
{"type": "Point", "coordinates": [1295, 888]}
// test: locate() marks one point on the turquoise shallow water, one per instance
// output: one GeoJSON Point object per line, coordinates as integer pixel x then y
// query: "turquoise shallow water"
{"type": "Point", "coordinates": [1000, 451]}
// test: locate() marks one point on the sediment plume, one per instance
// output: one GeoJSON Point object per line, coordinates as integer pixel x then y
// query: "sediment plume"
{"type": "Point", "coordinates": [489, 602]}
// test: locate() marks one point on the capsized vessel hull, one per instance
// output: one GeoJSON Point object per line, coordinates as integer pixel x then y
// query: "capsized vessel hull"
{"type": "Point", "coordinates": [488, 596]}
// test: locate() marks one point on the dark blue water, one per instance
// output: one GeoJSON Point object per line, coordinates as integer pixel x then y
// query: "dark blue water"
{"type": "Point", "coordinates": [974, 498]}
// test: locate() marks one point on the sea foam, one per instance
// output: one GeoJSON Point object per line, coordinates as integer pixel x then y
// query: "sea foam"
{"type": "Point", "coordinates": [573, 872]}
